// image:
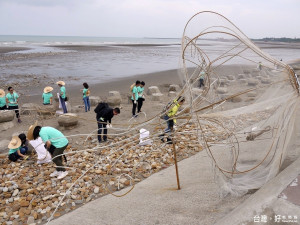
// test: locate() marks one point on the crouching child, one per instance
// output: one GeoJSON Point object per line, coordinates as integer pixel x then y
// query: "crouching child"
{"type": "Point", "coordinates": [16, 150]}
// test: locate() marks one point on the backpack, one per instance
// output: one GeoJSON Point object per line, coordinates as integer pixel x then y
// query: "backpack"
{"type": "Point", "coordinates": [166, 108]}
{"type": "Point", "coordinates": [170, 104]}
{"type": "Point", "coordinates": [131, 87]}
{"type": "Point", "coordinates": [99, 109]}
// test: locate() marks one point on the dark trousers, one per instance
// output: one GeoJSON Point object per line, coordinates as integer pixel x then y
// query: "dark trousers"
{"type": "Point", "coordinates": [3, 108]}
{"type": "Point", "coordinates": [201, 82]}
{"type": "Point", "coordinates": [58, 160]}
{"type": "Point", "coordinates": [133, 107]}
{"type": "Point", "coordinates": [16, 108]}
{"type": "Point", "coordinates": [63, 104]}
{"type": "Point", "coordinates": [140, 104]}
{"type": "Point", "coordinates": [102, 126]}
{"type": "Point", "coordinates": [170, 123]}
{"type": "Point", "coordinates": [15, 156]}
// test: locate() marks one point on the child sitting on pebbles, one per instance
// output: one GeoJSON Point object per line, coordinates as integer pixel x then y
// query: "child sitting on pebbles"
{"type": "Point", "coordinates": [16, 150]}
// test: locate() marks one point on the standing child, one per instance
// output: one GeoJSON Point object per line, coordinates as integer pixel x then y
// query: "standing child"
{"type": "Point", "coordinates": [169, 117]}
{"type": "Point", "coordinates": [86, 98]}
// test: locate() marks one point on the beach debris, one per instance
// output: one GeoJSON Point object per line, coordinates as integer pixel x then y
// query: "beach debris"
{"type": "Point", "coordinates": [240, 164]}
{"type": "Point", "coordinates": [144, 137]}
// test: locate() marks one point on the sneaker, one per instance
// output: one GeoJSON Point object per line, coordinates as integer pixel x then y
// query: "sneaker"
{"type": "Point", "coordinates": [161, 137]}
{"type": "Point", "coordinates": [62, 174]}
{"type": "Point", "coordinates": [167, 130]}
{"type": "Point", "coordinates": [54, 174]}
{"type": "Point", "coordinates": [169, 141]}
{"type": "Point", "coordinates": [135, 116]}
{"type": "Point", "coordinates": [19, 121]}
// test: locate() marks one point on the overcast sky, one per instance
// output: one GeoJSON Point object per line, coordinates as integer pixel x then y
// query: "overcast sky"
{"type": "Point", "coordinates": [144, 18]}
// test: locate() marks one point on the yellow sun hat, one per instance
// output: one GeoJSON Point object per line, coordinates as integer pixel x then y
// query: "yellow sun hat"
{"type": "Point", "coordinates": [30, 131]}
{"type": "Point", "coordinates": [48, 89]}
{"type": "Point", "coordinates": [15, 142]}
{"type": "Point", "coordinates": [61, 83]}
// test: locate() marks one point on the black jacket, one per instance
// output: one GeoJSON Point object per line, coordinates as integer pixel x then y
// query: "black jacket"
{"type": "Point", "coordinates": [107, 114]}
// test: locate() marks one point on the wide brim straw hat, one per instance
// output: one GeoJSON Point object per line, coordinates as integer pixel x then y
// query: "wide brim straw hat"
{"type": "Point", "coordinates": [48, 89]}
{"type": "Point", "coordinates": [15, 142]}
{"type": "Point", "coordinates": [60, 82]}
{"type": "Point", "coordinates": [30, 131]}
{"type": "Point", "coordinates": [2, 93]}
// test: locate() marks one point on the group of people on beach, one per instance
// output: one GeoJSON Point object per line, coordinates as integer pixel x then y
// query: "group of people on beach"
{"type": "Point", "coordinates": [47, 140]}
{"type": "Point", "coordinates": [10, 101]}
{"type": "Point", "coordinates": [44, 140]}
{"type": "Point", "coordinates": [48, 96]}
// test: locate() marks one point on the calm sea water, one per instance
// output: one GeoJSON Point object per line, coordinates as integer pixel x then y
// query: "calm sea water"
{"type": "Point", "coordinates": [123, 57]}
{"type": "Point", "coordinates": [45, 41]}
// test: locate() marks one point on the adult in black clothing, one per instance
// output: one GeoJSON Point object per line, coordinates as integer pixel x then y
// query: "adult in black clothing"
{"type": "Point", "coordinates": [104, 118]}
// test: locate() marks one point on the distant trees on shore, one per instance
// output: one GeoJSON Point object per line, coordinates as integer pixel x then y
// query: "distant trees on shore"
{"type": "Point", "coordinates": [282, 39]}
